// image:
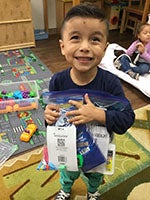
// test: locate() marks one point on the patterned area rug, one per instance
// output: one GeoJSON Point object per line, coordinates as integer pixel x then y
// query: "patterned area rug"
{"type": "Point", "coordinates": [21, 180]}
{"type": "Point", "coordinates": [19, 66]}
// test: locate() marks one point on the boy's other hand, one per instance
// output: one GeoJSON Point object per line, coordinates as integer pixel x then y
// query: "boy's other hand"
{"type": "Point", "coordinates": [85, 113]}
{"type": "Point", "coordinates": [51, 113]}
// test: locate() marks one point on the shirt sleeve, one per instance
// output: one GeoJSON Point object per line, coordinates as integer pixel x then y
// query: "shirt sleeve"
{"type": "Point", "coordinates": [119, 121]}
{"type": "Point", "coordinates": [132, 48]}
{"type": "Point", "coordinates": [146, 54]}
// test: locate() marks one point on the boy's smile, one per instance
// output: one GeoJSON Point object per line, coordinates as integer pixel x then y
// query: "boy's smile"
{"type": "Point", "coordinates": [83, 44]}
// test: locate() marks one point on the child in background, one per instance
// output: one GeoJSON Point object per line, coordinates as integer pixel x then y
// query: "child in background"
{"type": "Point", "coordinates": [83, 42]}
{"type": "Point", "coordinates": [140, 48]}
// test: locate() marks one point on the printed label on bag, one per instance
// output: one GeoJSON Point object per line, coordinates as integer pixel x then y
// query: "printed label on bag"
{"type": "Point", "coordinates": [61, 143]}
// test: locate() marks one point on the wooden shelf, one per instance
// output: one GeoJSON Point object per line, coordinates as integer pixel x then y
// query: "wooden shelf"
{"type": "Point", "coordinates": [16, 25]}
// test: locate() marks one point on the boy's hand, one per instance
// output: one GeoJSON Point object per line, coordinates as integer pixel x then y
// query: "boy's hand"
{"type": "Point", "coordinates": [85, 112]}
{"type": "Point", "coordinates": [51, 113]}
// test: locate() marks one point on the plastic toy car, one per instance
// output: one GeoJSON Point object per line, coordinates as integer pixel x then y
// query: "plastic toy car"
{"type": "Point", "coordinates": [28, 132]}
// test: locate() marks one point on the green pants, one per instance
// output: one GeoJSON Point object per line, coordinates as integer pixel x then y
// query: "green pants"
{"type": "Point", "coordinates": [67, 179]}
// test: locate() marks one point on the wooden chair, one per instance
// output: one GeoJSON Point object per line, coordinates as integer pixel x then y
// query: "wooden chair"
{"type": "Point", "coordinates": [133, 14]}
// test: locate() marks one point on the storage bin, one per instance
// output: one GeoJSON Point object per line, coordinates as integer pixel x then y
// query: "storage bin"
{"type": "Point", "coordinates": [18, 96]}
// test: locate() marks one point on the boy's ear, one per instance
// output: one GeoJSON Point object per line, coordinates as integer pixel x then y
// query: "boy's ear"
{"type": "Point", "coordinates": [105, 48]}
{"type": "Point", "coordinates": [61, 43]}
{"type": "Point", "coordinates": [106, 45]}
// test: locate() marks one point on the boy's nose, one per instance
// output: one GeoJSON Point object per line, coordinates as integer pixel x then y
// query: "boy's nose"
{"type": "Point", "coordinates": [84, 46]}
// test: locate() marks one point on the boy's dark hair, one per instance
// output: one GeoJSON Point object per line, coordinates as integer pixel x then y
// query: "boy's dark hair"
{"type": "Point", "coordinates": [86, 10]}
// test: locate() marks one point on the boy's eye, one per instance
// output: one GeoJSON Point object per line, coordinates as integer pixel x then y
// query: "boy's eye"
{"type": "Point", "coordinates": [75, 37]}
{"type": "Point", "coordinates": [96, 39]}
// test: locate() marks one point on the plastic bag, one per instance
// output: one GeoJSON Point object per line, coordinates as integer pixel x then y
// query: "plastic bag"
{"type": "Point", "coordinates": [88, 148]}
{"type": "Point", "coordinates": [92, 156]}
{"type": "Point", "coordinates": [6, 151]}
{"type": "Point", "coordinates": [100, 99]}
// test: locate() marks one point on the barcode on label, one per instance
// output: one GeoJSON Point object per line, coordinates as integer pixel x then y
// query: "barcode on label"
{"type": "Point", "coordinates": [60, 142]}
{"type": "Point", "coordinates": [62, 159]}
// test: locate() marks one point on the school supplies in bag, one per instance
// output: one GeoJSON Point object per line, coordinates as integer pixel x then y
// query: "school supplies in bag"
{"type": "Point", "coordinates": [88, 148]}
{"type": "Point", "coordinates": [93, 155]}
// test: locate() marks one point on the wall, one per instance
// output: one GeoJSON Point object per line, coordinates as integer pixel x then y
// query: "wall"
{"type": "Point", "coordinates": [37, 14]}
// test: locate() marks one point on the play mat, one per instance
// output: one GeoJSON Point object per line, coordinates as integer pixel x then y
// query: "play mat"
{"type": "Point", "coordinates": [19, 66]}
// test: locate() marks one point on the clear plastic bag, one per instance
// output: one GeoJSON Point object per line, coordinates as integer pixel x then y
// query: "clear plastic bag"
{"type": "Point", "coordinates": [100, 99]}
{"type": "Point", "coordinates": [6, 151]}
{"type": "Point", "coordinates": [92, 156]}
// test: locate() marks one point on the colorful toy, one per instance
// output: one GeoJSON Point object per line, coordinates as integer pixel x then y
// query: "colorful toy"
{"type": "Point", "coordinates": [19, 96]}
{"type": "Point", "coordinates": [5, 109]}
{"type": "Point", "coordinates": [28, 132]}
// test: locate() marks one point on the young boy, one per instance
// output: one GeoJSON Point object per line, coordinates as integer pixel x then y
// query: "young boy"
{"type": "Point", "coordinates": [84, 34]}
{"type": "Point", "coordinates": [140, 47]}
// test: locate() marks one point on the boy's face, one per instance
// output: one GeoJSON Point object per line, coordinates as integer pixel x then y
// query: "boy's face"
{"type": "Point", "coordinates": [84, 42]}
{"type": "Point", "coordinates": [144, 35]}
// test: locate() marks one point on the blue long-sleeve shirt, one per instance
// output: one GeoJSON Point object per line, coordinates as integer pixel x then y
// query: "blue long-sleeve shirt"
{"type": "Point", "coordinates": [116, 121]}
